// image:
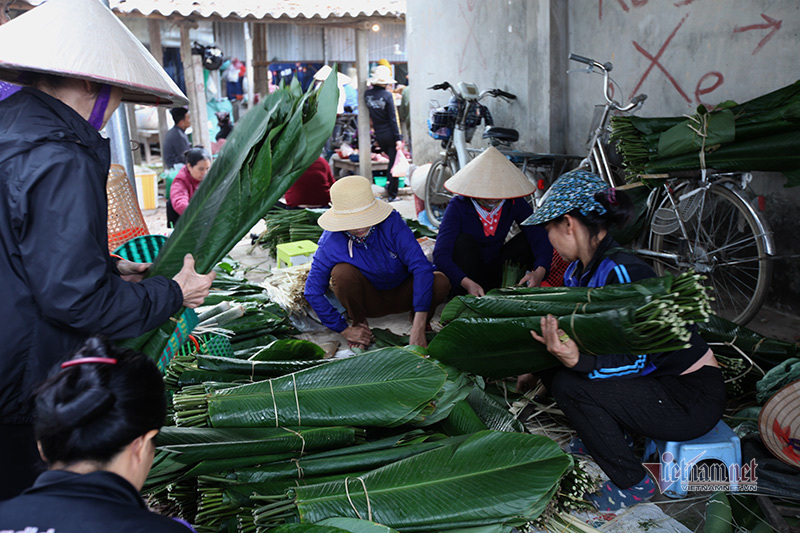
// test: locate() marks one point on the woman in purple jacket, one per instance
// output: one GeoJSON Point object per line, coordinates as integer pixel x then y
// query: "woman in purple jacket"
{"type": "Point", "coordinates": [471, 247]}
{"type": "Point", "coordinates": [370, 259]}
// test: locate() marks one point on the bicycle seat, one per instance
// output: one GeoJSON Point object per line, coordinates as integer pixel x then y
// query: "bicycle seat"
{"type": "Point", "coordinates": [501, 134]}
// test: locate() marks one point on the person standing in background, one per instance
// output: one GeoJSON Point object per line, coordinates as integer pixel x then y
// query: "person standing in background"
{"type": "Point", "coordinates": [380, 104]}
{"type": "Point", "coordinates": [177, 142]}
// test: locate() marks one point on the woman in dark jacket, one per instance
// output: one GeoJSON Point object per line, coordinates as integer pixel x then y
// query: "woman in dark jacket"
{"type": "Point", "coordinates": [673, 396]}
{"type": "Point", "coordinates": [380, 104]}
{"type": "Point", "coordinates": [472, 246]}
{"type": "Point", "coordinates": [59, 283]}
{"type": "Point", "coordinates": [96, 422]}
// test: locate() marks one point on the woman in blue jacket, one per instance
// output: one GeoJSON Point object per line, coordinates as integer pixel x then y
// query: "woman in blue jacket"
{"type": "Point", "coordinates": [370, 259]}
{"type": "Point", "coordinates": [471, 247]}
{"type": "Point", "coordinates": [673, 396]}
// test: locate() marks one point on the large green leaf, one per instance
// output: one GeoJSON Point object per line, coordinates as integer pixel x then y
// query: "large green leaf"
{"type": "Point", "coordinates": [191, 445]}
{"type": "Point", "coordinates": [490, 478]}
{"type": "Point", "coordinates": [378, 388]}
{"type": "Point", "coordinates": [271, 146]}
{"type": "Point", "coordinates": [492, 413]}
{"type": "Point", "coordinates": [289, 350]}
{"type": "Point", "coordinates": [354, 525]}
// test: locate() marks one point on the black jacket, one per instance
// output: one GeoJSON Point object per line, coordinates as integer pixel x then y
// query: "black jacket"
{"type": "Point", "coordinates": [65, 502]}
{"type": "Point", "coordinates": [58, 283]}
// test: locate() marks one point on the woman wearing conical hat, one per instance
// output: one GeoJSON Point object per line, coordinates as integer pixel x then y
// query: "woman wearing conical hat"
{"type": "Point", "coordinates": [370, 259]}
{"type": "Point", "coordinates": [60, 285]}
{"type": "Point", "coordinates": [471, 247]}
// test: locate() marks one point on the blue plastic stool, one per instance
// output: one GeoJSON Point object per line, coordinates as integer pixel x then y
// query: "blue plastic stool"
{"type": "Point", "coordinates": [677, 458]}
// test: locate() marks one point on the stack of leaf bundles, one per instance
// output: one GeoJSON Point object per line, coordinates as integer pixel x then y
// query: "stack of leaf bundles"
{"type": "Point", "coordinates": [490, 336]}
{"type": "Point", "coordinates": [761, 134]}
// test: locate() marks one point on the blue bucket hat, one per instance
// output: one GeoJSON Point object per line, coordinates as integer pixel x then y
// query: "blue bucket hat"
{"type": "Point", "coordinates": [573, 190]}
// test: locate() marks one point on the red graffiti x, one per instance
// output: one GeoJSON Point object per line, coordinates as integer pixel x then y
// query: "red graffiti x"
{"type": "Point", "coordinates": [461, 66]}
{"type": "Point", "coordinates": [655, 61]}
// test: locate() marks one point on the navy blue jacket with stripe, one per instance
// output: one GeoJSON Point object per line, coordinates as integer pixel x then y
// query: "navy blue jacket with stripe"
{"type": "Point", "coordinates": [612, 265]}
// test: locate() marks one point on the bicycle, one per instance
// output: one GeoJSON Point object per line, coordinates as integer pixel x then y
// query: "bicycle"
{"type": "Point", "coordinates": [701, 220]}
{"type": "Point", "coordinates": [455, 125]}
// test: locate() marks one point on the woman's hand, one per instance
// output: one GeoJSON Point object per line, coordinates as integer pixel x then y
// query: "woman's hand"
{"type": "Point", "coordinates": [399, 146]}
{"type": "Point", "coordinates": [195, 287]}
{"type": "Point", "coordinates": [557, 341]}
{"type": "Point", "coordinates": [130, 271]}
{"type": "Point", "coordinates": [358, 336]}
{"type": "Point", "coordinates": [534, 278]}
{"type": "Point", "coordinates": [472, 288]}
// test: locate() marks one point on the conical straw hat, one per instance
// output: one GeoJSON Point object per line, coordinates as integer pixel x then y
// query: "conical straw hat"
{"type": "Point", "coordinates": [492, 176]}
{"type": "Point", "coordinates": [779, 424]}
{"type": "Point", "coordinates": [323, 73]}
{"type": "Point", "coordinates": [353, 206]}
{"type": "Point", "coordinates": [84, 39]}
{"type": "Point", "coordinates": [341, 80]}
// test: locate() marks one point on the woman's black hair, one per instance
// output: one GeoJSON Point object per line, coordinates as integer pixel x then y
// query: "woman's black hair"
{"type": "Point", "coordinates": [178, 113]}
{"type": "Point", "coordinates": [91, 411]}
{"type": "Point", "coordinates": [195, 154]}
{"type": "Point", "coordinates": [619, 209]}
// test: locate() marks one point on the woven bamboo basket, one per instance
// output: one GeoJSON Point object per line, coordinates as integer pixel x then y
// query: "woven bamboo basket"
{"type": "Point", "coordinates": [125, 220]}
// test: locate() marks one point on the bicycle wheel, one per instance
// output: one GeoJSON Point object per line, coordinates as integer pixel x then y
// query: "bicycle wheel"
{"type": "Point", "coordinates": [436, 196]}
{"type": "Point", "coordinates": [726, 241]}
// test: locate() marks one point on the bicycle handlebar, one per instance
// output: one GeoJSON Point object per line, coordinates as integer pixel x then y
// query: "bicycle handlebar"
{"type": "Point", "coordinates": [504, 94]}
{"type": "Point", "coordinates": [605, 68]}
{"type": "Point", "coordinates": [440, 86]}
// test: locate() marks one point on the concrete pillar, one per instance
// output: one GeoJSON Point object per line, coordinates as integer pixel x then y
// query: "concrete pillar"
{"type": "Point", "coordinates": [547, 60]}
{"type": "Point", "coordinates": [195, 89]}
{"type": "Point", "coordinates": [154, 30]}
{"type": "Point", "coordinates": [362, 67]}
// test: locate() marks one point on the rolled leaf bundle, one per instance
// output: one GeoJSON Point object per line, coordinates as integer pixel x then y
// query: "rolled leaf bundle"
{"type": "Point", "coordinates": [380, 388]}
{"type": "Point", "coordinates": [488, 478]}
{"type": "Point", "coordinates": [761, 134]}
{"type": "Point", "coordinates": [644, 317]}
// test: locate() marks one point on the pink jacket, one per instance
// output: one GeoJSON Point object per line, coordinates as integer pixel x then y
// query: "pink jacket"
{"type": "Point", "coordinates": [182, 190]}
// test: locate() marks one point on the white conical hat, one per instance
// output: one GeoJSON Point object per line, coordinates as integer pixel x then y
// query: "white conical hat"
{"type": "Point", "coordinates": [490, 175]}
{"type": "Point", "coordinates": [341, 80]}
{"type": "Point", "coordinates": [84, 39]}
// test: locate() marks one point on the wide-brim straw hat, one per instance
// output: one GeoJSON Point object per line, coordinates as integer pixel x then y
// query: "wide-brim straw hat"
{"type": "Point", "coordinates": [779, 424]}
{"type": "Point", "coordinates": [83, 39]}
{"type": "Point", "coordinates": [492, 176]}
{"type": "Point", "coordinates": [382, 75]}
{"type": "Point", "coordinates": [353, 206]}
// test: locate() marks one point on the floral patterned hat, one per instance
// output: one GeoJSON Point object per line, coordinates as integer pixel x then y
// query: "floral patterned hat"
{"type": "Point", "coordinates": [573, 190]}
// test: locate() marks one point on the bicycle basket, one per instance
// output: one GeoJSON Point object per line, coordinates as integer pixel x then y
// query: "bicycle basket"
{"type": "Point", "coordinates": [441, 122]}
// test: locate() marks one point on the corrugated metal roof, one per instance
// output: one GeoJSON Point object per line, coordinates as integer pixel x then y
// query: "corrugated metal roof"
{"type": "Point", "coordinates": [263, 9]}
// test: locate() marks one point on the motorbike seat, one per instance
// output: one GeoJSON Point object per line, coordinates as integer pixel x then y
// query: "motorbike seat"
{"type": "Point", "coordinates": [501, 134]}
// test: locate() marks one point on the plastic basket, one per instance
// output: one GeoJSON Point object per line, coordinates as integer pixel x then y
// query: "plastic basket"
{"type": "Point", "coordinates": [441, 121]}
{"type": "Point", "coordinates": [125, 220]}
{"type": "Point", "coordinates": [144, 249]}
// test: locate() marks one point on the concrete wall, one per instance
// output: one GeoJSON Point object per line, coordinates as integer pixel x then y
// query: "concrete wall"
{"type": "Point", "coordinates": [680, 53]}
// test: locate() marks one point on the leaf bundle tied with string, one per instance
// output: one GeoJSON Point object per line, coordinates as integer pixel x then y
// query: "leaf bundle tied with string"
{"type": "Point", "coordinates": [649, 316]}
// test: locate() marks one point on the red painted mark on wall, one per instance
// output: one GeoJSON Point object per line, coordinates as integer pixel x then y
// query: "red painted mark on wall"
{"type": "Point", "coordinates": [470, 34]}
{"type": "Point", "coordinates": [683, 3]}
{"type": "Point", "coordinates": [701, 90]}
{"type": "Point", "coordinates": [770, 23]}
{"type": "Point", "coordinates": [654, 62]}
{"type": "Point", "coordinates": [623, 5]}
